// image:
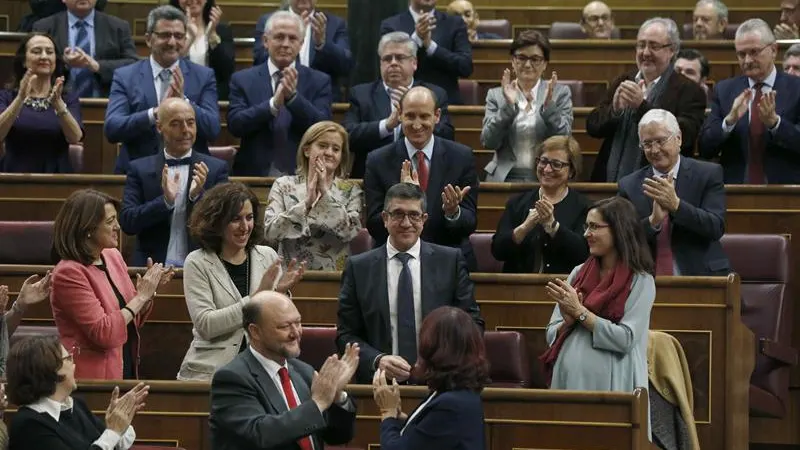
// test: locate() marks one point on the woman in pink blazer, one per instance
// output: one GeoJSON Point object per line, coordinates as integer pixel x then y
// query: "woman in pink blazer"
{"type": "Point", "coordinates": [96, 307]}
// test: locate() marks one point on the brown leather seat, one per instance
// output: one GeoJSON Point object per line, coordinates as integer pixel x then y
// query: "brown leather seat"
{"type": "Point", "coordinates": [23, 331]}
{"type": "Point", "coordinates": [508, 359]}
{"type": "Point", "coordinates": [500, 27]}
{"type": "Point", "coordinates": [362, 243]}
{"type": "Point", "coordinates": [26, 242]}
{"type": "Point", "coordinates": [225, 153]}
{"type": "Point", "coordinates": [469, 92]}
{"type": "Point", "coordinates": [317, 344]}
{"type": "Point", "coordinates": [572, 30]}
{"type": "Point", "coordinates": [76, 157]}
{"type": "Point", "coordinates": [482, 247]}
{"type": "Point", "coordinates": [576, 86]}
{"type": "Point", "coordinates": [728, 33]}
{"type": "Point", "coordinates": [762, 262]}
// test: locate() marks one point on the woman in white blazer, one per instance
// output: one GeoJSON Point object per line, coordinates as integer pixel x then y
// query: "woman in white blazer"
{"type": "Point", "coordinates": [524, 111]}
{"type": "Point", "coordinates": [220, 276]}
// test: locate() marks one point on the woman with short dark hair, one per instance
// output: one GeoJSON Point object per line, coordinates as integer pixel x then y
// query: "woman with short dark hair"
{"type": "Point", "coordinates": [220, 276]}
{"type": "Point", "coordinates": [41, 379]}
{"type": "Point", "coordinates": [452, 363]}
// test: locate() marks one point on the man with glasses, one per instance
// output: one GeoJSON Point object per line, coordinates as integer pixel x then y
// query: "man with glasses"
{"type": "Point", "coordinates": [754, 131]}
{"type": "Point", "coordinates": [681, 201]}
{"type": "Point", "coordinates": [597, 21]}
{"type": "Point", "coordinates": [709, 20]}
{"type": "Point", "coordinates": [387, 292]}
{"type": "Point", "coordinates": [138, 89]}
{"type": "Point", "coordinates": [373, 119]}
{"type": "Point", "coordinates": [652, 85]}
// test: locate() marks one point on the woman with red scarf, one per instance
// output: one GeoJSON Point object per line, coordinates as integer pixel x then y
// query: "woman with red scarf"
{"type": "Point", "coordinates": [598, 331]}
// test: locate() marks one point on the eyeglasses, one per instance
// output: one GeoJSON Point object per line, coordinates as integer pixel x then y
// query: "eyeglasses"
{"type": "Point", "coordinates": [592, 227]}
{"type": "Point", "coordinates": [553, 163]}
{"type": "Point", "coordinates": [595, 18]}
{"type": "Point", "coordinates": [399, 216]}
{"type": "Point", "coordinates": [523, 59]}
{"type": "Point", "coordinates": [659, 142]}
{"type": "Point", "coordinates": [73, 352]}
{"type": "Point", "coordinates": [653, 46]}
{"type": "Point", "coordinates": [752, 53]}
{"type": "Point", "coordinates": [400, 58]}
{"type": "Point", "coordinates": [166, 35]}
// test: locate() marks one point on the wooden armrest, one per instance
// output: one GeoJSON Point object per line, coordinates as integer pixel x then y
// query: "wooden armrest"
{"type": "Point", "coordinates": [778, 351]}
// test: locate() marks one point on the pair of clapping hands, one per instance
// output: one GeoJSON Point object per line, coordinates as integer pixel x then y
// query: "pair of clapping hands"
{"type": "Point", "coordinates": [329, 383]}
{"type": "Point", "coordinates": [451, 195]}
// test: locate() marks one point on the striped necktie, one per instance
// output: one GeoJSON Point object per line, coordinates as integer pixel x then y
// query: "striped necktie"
{"type": "Point", "coordinates": [83, 78]}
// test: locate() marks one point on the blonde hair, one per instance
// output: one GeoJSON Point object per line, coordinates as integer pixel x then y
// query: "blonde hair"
{"type": "Point", "coordinates": [567, 144]}
{"type": "Point", "coordinates": [312, 135]}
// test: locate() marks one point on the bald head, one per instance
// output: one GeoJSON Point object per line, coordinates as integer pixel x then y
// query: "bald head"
{"type": "Point", "coordinates": [273, 324]}
{"type": "Point", "coordinates": [176, 123]}
{"type": "Point", "coordinates": [419, 94]}
{"type": "Point", "coordinates": [464, 9]}
{"type": "Point", "coordinates": [419, 115]}
{"type": "Point", "coordinates": [597, 21]}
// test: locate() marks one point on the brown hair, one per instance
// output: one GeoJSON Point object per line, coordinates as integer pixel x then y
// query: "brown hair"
{"type": "Point", "coordinates": [32, 369]}
{"type": "Point", "coordinates": [528, 38]}
{"type": "Point", "coordinates": [312, 135]}
{"type": "Point", "coordinates": [630, 242]}
{"type": "Point", "coordinates": [566, 143]}
{"type": "Point", "coordinates": [81, 214]}
{"type": "Point", "coordinates": [217, 209]}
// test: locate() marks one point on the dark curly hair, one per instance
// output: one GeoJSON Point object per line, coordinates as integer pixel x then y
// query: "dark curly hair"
{"type": "Point", "coordinates": [18, 65]}
{"type": "Point", "coordinates": [206, 9]}
{"type": "Point", "coordinates": [32, 369]}
{"type": "Point", "coordinates": [452, 355]}
{"type": "Point", "coordinates": [217, 209]}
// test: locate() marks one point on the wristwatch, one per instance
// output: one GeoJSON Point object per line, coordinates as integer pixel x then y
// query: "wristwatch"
{"type": "Point", "coordinates": [582, 316]}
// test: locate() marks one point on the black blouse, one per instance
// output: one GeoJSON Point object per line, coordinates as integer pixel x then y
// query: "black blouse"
{"type": "Point", "coordinates": [128, 362]}
{"type": "Point", "coordinates": [240, 277]}
{"type": "Point", "coordinates": [560, 253]}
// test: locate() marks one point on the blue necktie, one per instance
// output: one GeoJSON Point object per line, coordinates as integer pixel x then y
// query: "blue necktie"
{"type": "Point", "coordinates": [179, 162]}
{"type": "Point", "coordinates": [83, 78]}
{"type": "Point", "coordinates": [406, 323]}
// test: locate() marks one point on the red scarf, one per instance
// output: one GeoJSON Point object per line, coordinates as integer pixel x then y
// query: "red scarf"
{"type": "Point", "coordinates": [604, 297]}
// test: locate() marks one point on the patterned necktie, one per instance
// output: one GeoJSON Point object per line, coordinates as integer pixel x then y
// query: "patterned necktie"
{"type": "Point", "coordinates": [394, 98]}
{"type": "Point", "coordinates": [166, 78]}
{"type": "Point", "coordinates": [422, 170]}
{"type": "Point", "coordinates": [664, 247]}
{"type": "Point", "coordinates": [82, 78]}
{"type": "Point", "coordinates": [757, 147]}
{"type": "Point", "coordinates": [291, 400]}
{"type": "Point", "coordinates": [406, 319]}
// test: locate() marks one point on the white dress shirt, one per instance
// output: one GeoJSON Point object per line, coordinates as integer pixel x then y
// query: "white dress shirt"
{"type": "Point", "coordinates": [305, 50]}
{"type": "Point", "coordinates": [647, 87]}
{"type": "Point", "coordinates": [156, 68]}
{"type": "Point", "coordinates": [432, 48]}
{"type": "Point", "coordinates": [198, 52]}
{"type": "Point", "coordinates": [522, 132]}
{"type": "Point", "coordinates": [178, 247]}
{"type": "Point", "coordinates": [393, 269]}
{"type": "Point", "coordinates": [109, 440]}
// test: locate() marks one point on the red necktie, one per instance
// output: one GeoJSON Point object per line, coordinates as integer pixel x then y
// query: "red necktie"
{"type": "Point", "coordinates": [755, 159]}
{"type": "Point", "coordinates": [422, 170]}
{"type": "Point", "coordinates": [664, 247]}
{"type": "Point", "coordinates": [286, 383]}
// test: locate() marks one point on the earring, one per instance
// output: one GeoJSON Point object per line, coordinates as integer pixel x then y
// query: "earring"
{"type": "Point", "coordinates": [89, 235]}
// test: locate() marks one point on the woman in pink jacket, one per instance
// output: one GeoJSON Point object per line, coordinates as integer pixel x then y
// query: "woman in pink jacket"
{"type": "Point", "coordinates": [96, 307]}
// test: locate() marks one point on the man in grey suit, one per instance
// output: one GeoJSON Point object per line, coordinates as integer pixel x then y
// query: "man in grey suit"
{"type": "Point", "coordinates": [525, 111]}
{"type": "Point", "coordinates": [387, 292]}
{"type": "Point", "coordinates": [94, 44]}
{"type": "Point", "coordinates": [266, 398]}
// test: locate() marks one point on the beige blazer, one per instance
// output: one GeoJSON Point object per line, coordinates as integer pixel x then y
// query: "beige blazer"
{"type": "Point", "coordinates": [215, 307]}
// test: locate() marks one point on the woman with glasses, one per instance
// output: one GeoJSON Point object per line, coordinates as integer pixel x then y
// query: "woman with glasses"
{"type": "Point", "coordinates": [41, 380]}
{"type": "Point", "coordinates": [524, 111]}
{"type": "Point", "coordinates": [313, 216]}
{"type": "Point", "coordinates": [541, 231]}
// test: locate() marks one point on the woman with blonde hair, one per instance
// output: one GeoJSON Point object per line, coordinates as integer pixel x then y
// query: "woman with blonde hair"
{"type": "Point", "coordinates": [312, 216]}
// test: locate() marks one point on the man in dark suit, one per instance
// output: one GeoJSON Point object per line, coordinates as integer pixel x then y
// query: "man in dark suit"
{"type": "Point", "coordinates": [160, 190]}
{"type": "Point", "coordinates": [273, 104]}
{"type": "Point", "coordinates": [137, 90]}
{"type": "Point", "coordinates": [653, 85]}
{"type": "Point", "coordinates": [754, 123]}
{"type": "Point", "coordinates": [445, 170]}
{"type": "Point", "coordinates": [373, 119]}
{"type": "Point", "coordinates": [94, 44]}
{"type": "Point", "coordinates": [445, 53]}
{"type": "Point", "coordinates": [680, 200]}
{"type": "Point", "coordinates": [387, 292]}
{"type": "Point", "coordinates": [267, 398]}
{"type": "Point", "coordinates": [326, 45]}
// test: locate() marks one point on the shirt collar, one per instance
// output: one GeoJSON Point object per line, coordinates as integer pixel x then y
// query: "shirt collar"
{"type": "Point", "coordinates": [185, 155]}
{"type": "Point", "coordinates": [769, 81]}
{"type": "Point", "coordinates": [72, 19]}
{"type": "Point", "coordinates": [639, 77]}
{"type": "Point", "coordinates": [674, 170]}
{"type": "Point", "coordinates": [272, 68]}
{"type": "Point", "coordinates": [156, 67]}
{"type": "Point", "coordinates": [427, 149]}
{"type": "Point", "coordinates": [269, 365]}
{"type": "Point", "coordinates": [386, 86]}
{"type": "Point", "coordinates": [413, 251]}
{"type": "Point", "coordinates": [51, 407]}
{"type": "Point", "coordinates": [533, 89]}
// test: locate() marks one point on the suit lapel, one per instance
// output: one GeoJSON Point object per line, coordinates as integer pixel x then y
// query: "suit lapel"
{"type": "Point", "coordinates": [271, 393]}
{"type": "Point", "coordinates": [62, 29]}
{"type": "Point", "coordinates": [427, 269]}
{"type": "Point", "coordinates": [383, 105]}
{"type": "Point", "coordinates": [436, 173]}
{"type": "Point", "coordinates": [258, 265]}
{"type": "Point", "coordinates": [147, 82]}
{"type": "Point", "coordinates": [380, 284]}
{"type": "Point", "coordinates": [641, 201]}
{"type": "Point", "coordinates": [300, 385]}
{"type": "Point", "coordinates": [102, 33]}
{"type": "Point", "coordinates": [684, 186]}
{"type": "Point", "coordinates": [221, 275]}
{"type": "Point", "coordinates": [263, 75]}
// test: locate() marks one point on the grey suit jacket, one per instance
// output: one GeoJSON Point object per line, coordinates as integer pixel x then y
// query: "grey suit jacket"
{"type": "Point", "coordinates": [248, 412]}
{"type": "Point", "coordinates": [112, 39]}
{"type": "Point", "coordinates": [498, 122]}
{"type": "Point", "coordinates": [215, 307]}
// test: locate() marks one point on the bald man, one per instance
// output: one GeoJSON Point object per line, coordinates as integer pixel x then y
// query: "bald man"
{"type": "Point", "coordinates": [267, 398]}
{"type": "Point", "coordinates": [445, 170]}
{"type": "Point", "coordinates": [597, 21]}
{"type": "Point", "coordinates": [160, 190]}
{"type": "Point", "coordinates": [466, 11]}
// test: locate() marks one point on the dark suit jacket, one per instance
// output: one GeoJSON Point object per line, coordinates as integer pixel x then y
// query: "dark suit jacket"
{"type": "Point", "coordinates": [248, 411]}
{"type": "Point", "coordinates": [31, 430]}
{"type": "Point", "coordinates": [145, 213]}
{"type": "Point", "coordinates": [452, 420]}
{"type": "Point", "coordinates": [133, 92]}
{"type": "Point", "coordinates": [683, 98]}
{"type": "Point", "coordinates": [369, 104]}
{"type": "Point", "coordinates": [222, 60]}
{"type": "Point", "coordinates": [782, 156]}
{"type": "Point", "coordinates": [453, 56]}
{"type": "Point", "coordinates": [334, 58]}
{"type": "Point", "coordinates": [452, 163]}
{"type": "Point", "coordinates": [250, 117]}
{"type": "Point", "coordinates": [363, 315]}
{"type": "Point", "coordinates": [560, 253]}
{"type": "Point", "coordinates": [699, 222]}
{"type": "Point", "coordinates": [114, 46]}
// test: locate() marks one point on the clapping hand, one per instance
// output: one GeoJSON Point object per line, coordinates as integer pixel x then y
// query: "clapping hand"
{"type": "Point", "coordinates": [34, 290]}
{"type": "Point", "coordinates": [509, 87]}
{"type": "Point", "coordinates": [551, 86]}
{"type": "Point", "coordinates": [451, 198]}
{"type": "Point", "coordinates": [120, 412]}
{"type": "Point", "coordinates": [170, 186]}
{"type": "Point", "coordinates": [166, 272]}
{"type": "Point", "coordinates": [766, 109]}
{"type": "Point", "coordinates": [786, 31]}
{"type": "Point", "coordinates": [314, 182]}
{"type": "Point", "coordinates": [325, 385]}
{"type": "Point", "coordinates": [662, 191]}
{"type": "Point", "coordinates": [199, 176]}
{"type": "Point", "coordinates": [147, 285]}
{"type": "Point", "coordinates": [425, 26]}
{"type": "Point", "coordinates": [349, 360]}
{"type": "Point", "coordinates": [631, 94]}
{"type": "Point", "coordinates": [25, 84]}
{"type": "Point", "coordinates": [569, 302]}
{"type": "Point", "coordinates": [293, 273]}
{"type": "Point", "coordinates": [739, 108]}
{"type": "Point", "coordinates": [176, 86]}
{"type": "Point", "coordinates": [387, 396]}
{"type": "Point", "coordinates": [55, 95]}
{"type": "Point", "coordinates": [545, 211]}
{"type": "Point", "coordinates": [408, 174]}
{"type": "Point", "coordinates": [319, 23]}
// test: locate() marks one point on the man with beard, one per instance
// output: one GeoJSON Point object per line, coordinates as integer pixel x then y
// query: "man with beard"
{"type": "Point", "coordinates": [709, 20]}
{"type": "Point", "coordinates": [751, 128]}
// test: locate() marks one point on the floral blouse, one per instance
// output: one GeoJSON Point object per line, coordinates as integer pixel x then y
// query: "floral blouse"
{"type": "Point", "coordinates": [321, 237]}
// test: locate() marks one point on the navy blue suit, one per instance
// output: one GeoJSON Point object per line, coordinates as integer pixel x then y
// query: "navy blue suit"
{"type": "Point", "coordinates": [451, 420]}
{"type": "Point", "coordinates": [782, 155]}
{"type": "Point", "coordinates": [452, 163]}
{"type": "Point", "coordinates": [144, 210]}
{"type": "Point", "coordinates": [250, 117]}
{"type": "Point", "coordinates": [699, 222]}
{"type": "Point", "coordinates": [453, 56]}
{"type": "Point", "coordinates": [369, 104]}
{"type": "Point", "coordinates": [133, 93]}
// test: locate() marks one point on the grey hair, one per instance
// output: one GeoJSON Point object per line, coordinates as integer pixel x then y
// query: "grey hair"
{"type": "Point", "coordinates": [794, 50]}
{"type": "Point", "coordinates": [397, 37]}
{"type": "Point", "coordinates": [756, 26]}
{"type": "Point", "coordinates": [722, 9]}
{"type": "Point", "coordinates": [285, 15]}
{"type": "Point", "coordinates": [165, 12]}
{"type": "Point", "coordinates": [405, 191]}
{"type": "Point", "coordinates": [672, 30]}
{"type": "Point", "coordinates": [660, 116]}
